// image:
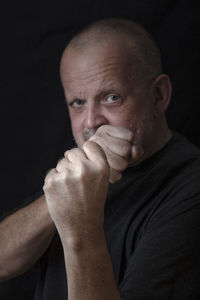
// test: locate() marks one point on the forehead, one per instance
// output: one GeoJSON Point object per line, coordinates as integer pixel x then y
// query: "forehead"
{"type": "Point", "coordinates": [109, 63]}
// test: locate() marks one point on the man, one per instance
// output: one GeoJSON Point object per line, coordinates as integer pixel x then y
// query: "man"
{"type": "Point", "coordinates": [139, 237]}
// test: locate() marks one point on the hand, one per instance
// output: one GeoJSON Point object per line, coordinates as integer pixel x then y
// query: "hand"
{"type": "Point", "coordinates": [120, 146]}
{"type": "Point", "coordinates": [76, 190]}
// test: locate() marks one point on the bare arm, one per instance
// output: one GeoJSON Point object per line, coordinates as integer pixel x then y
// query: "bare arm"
{"type": "Point", "coordinates": [89, 268]}
{"type": "Point", "coordinates": [78, 213]}
{"type": "Point", "coordinates": [24, 237]}
{"type": "Point", "coordinates": [26, 234]}
{"type": "Point", "coordinates": [76, 191]}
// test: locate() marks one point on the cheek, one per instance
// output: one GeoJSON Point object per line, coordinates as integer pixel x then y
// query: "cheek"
{"type": "Point", "coordinates": [144, 129]}
{"type": "Point", "coordinates": [76, 129]}
{"type": "Point", "coordinates": [127, 121]}
{"type": "Point", "coordinates": [124, 117]}
{"type": "Point", "coordinates": [139, 120]}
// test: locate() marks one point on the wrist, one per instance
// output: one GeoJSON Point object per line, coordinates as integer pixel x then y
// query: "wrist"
{"type": "Point", "coordinates": [84, 239]}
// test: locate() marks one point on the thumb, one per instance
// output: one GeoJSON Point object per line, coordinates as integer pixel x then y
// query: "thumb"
{"type": "Point", "coordinates": [114, 176]}
{"type": "Point", "coordinates": [137, 154]}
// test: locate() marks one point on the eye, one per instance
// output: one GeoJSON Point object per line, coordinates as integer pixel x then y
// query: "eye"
{"type": "Point", "coordinates": [77, 104]}
{"type": "Point", "coordinates": [111, 99]}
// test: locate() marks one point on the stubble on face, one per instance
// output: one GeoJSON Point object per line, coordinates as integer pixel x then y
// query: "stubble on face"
{"type": "Point", "coordinates": [129, 74]}
{"type": "Point", "coordinates": [87, 133]}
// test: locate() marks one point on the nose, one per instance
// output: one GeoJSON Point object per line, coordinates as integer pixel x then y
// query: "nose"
{"type": "Point", "coordinates": [95, 117]}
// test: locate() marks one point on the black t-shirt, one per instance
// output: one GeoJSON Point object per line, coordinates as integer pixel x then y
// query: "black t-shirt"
{"type": "Point", "coordinates": [152, 229]}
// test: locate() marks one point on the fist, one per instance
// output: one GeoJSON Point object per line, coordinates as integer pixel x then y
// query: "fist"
{"type": "Point", "coordinates": [120, 146]}
{"type": "Point", "coordinates": [76, 189]}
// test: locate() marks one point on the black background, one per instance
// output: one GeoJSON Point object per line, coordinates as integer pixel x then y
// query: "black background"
{"type": "Point", "coordinates": [35, 129]}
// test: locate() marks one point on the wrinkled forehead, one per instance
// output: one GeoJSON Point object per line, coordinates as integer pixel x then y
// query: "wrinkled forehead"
{"type": "Point", "coordinates": [111, 56]}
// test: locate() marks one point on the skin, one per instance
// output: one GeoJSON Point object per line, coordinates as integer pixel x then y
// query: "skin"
{"type": "Point", "coordinates": [26, 234]}
{"type": "Point", "coordinates": [30, 232]}
{"type": "Point", "coordinates": [100, 96]}
{"type": "Point", "coordinates": [100, 91]}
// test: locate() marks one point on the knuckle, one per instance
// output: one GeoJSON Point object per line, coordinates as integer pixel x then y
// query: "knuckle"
{"type": "Point", "coordinates": [126, 150]}
{"type": "Point", "coordinates": [102, 129]}
{"type": "Point", "coordinates": [48, 180]}
{"type": "Point", "coordinates": [137, 151]}
{"type": "Point", "coordinates": [101, 172]}
{"type": "Point", "coordinates": [60, 162]}
{"type": "Point", "coordinates": [124, 165]}
{"type": "Point", "coordinates": [87, 144]}
{"type": "Point", "coordinates": [49, 175]}
{"type": "Point", "coordinates": [72, 155]}
{"type": "Point", "coordinates": [119, 164]}
{"type": "Point", "coordinates": [73, 151]}
{"type": "Point", "coordinates": [130, 136]}
{"type": "Point", "coordinates": [99, 141]}
{"type": "Point", "coordinates": [102, 166]}
{"type": "Point", "coordinates": [114, 176]}
{"type": "Point", "coordinates": [62, 178]}
{"type": "Point", "coordinates": [81, 171]}
{"type": "Point", "coordinates": [94, 138]}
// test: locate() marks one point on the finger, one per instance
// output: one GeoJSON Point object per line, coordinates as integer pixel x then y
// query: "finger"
{"type": "Point", "coordinates": [72, 158]}
{"type": "Point", "coordinates": [115, 131]}
{"type": "Point", "coordinates": [62, 165]}
{"type": "Point", "coordinates": [116, 162]}
{"type": "Point", "coordinates": [137, 155]}
{"type": "Point", "coordinates": [50, 173]}
{"type": "Point", "coordinates": [115, 145]}
{"type": "Point", "coordinates": [94, 152]}
{"type": "Point", "coordinates": [114, 176]}
{"type": "Point", "coordinates": [49, 177]}
{"type": "Point", "coordinates": [75, 154]}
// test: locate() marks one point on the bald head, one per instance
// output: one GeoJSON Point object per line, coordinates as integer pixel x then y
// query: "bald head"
{"type": "Point", "coordinates": [111, 75]}
{"type": "Point", "coordinates": [138, 45]}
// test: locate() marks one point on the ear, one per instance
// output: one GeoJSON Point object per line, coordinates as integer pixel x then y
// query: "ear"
{"type": "Point", "coordinates": [162, 94]}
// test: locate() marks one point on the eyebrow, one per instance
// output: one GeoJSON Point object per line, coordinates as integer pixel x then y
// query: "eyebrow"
{"type": "Point", "coordinates": [110, 88]}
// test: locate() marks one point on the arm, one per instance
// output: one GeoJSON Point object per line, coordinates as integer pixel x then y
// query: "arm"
{"type": "Point", "coordinates": [26, 234]}
{"type": "Point", "coordinates": [89, 268]}
{"type": "Point", "coordinates": [78, 213]}
{"type": "Point", "coordinates": [24, 237]}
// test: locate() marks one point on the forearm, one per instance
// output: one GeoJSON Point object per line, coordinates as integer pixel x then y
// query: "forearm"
{"type": "Point", "coordinates": [76, 192]}
{"type": "Point", "coordinates": [89, 268]}
{"type": "Point", "coordinates": [24, 236]}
